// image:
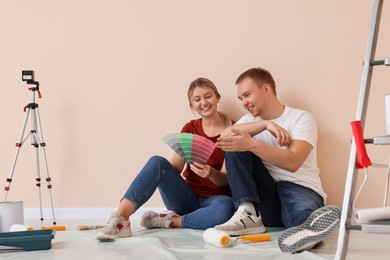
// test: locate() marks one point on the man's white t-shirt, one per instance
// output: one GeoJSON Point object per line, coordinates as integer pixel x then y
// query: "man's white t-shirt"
{"type": "Point", "coordinates": [301, 125]}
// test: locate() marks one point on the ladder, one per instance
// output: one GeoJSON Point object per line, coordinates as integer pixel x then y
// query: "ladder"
{"type": "Point", "coordinates": [369, 63]}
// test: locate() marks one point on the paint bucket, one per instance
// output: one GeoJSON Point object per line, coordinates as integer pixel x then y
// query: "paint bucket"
{"type": "Point", "coordinates": [11, 212]}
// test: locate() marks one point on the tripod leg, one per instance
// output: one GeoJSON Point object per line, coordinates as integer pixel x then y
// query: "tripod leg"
{"type": "Point", "coordinates": [34, 142]}
{"type": "Point", "coordinates": [38, 178]}
{"type": "Point", "coordinates": [48, 178]}
{"type": "Point", "coordinates": [18, 145]}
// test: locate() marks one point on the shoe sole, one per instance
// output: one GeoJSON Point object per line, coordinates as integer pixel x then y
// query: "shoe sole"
{"type": "Point", "coordinates": [122, 234]}
{"type": "Point", "coordinates": [320, 224]}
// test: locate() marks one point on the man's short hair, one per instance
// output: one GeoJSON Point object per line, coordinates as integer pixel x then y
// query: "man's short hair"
{"type": "Point", "coordinates": [260, 76]}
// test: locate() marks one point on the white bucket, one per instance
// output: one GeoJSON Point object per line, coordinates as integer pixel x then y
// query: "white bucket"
{"type": "Point", "coordinates": [11, 212]}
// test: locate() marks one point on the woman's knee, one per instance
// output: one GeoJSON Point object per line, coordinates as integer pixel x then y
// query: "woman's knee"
{"type": "Point", "coordinates": [158, 163]}
{"type": "Point", "coordinates": [157, 159]}
{"type": "Point", "coordinates": [156, 166]}
{"type": "Point", "coordinates": [224, 205]}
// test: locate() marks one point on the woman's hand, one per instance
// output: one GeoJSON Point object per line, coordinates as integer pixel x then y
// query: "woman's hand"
{"type": "Point", "coordinates": [201, 170]}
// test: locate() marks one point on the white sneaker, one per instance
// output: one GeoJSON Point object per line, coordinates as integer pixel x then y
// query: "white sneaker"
{"type": "Point", "coordinates": [151, 219]}
{"type": "Point", "coordinates": [319, 225]}
{"type": "Point", "coordinates": [242, 222]}
{"type": "Point", "coordinates": [116, 227]}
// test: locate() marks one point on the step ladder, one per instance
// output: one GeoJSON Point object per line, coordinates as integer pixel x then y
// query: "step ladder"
{"type": "Point", "coordinates": [346, 215]}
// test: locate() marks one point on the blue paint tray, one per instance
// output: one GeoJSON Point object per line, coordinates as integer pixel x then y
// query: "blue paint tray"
{"type": "Point", "coordinates": [28, 240]}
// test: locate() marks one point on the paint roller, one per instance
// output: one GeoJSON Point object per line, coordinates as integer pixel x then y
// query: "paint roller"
{"type": "Point", "coordinates": [22, 227]}
{"type": "Point", "coordinates": [220, 238]}
{"type": "Point", "coordinates": [216, 237]}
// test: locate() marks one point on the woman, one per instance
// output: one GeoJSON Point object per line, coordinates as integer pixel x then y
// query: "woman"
{"type": "Point", "coordinates": [202, 198]}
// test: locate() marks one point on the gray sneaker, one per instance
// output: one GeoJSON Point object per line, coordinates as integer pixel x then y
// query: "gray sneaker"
{"type": "Point", "coordinates": [320, 224]}
{"type": "Point", "coordinates": [116, 227]}
{"type": "Point", "coordinates": [242, 223]}
{"type": "Point", "coordinates": [151, 219]}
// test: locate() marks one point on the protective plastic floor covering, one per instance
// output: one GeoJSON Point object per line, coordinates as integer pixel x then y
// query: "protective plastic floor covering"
{"type": "Point", "coordinates": [188, 244]}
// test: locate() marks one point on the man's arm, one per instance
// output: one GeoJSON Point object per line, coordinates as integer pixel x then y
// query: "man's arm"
{"type": "Point", "coordinates": [290, 159]}
{"type": "Point", "coordinates": [255, 128]}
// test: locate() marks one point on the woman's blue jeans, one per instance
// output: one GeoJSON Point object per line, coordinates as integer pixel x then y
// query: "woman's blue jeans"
{"type": "Point", "coordinates": [178, 196]}
{"type": "Point", "coordinates": [280, 203]}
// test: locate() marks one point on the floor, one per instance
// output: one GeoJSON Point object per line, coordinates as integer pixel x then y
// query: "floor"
{"type": "Point", "coordinates": [187, 244]}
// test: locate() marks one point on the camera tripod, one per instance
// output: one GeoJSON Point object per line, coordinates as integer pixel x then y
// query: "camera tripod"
{"type": "Point", "coordinates": [36, 142]}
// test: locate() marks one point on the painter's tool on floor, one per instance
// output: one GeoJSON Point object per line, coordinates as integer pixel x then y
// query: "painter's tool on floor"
{"type": "Point", "coordinates": [56, 228]}
{"type": "Point", "coordinates": [20, 227]}
{"type": "Point", "coordinates": [220, 238]}
{"type": "Point", "coordinates": [254, 238]}
{"type": "Point", "coordinates": [89, 227]}
{"type": "Point", "coordinates": [216, 237]}
{"type": "Point", "coordinates": [26, 240]}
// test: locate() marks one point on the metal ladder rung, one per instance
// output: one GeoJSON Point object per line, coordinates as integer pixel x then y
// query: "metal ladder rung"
{"type": "Point", "coordinates": [385, 61]}
{"type": "Point", "coordinates": [377, 227]}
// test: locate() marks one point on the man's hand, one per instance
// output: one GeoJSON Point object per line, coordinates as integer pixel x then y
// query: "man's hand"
{"type": "Point", "coordinates": [279, 133]}
{"type": "Point", "coordinates": [237, 141]}
{"type": "Point", "coordinates": [238, 138]}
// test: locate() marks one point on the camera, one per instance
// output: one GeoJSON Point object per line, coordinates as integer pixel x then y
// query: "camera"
{"type": "Point", "coordinates": [28, 75]}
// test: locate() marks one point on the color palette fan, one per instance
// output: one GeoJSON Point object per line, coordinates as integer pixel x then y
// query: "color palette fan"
{"type": "Point", "coordinates": [190, 147]}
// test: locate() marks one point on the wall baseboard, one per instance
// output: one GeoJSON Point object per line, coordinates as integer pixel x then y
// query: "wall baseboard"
{"type": "Point", "coordinates": [80, 213]}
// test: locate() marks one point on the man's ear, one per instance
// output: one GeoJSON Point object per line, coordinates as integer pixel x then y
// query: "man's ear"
{"type": "Point", "coordinates": [267, 88]}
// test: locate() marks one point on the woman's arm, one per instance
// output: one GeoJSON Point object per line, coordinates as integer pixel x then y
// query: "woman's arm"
{"type": "Point", "coordinates": [177, 162]}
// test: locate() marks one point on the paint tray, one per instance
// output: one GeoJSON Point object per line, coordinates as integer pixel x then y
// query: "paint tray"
{"type": "Point", "coordinates": [28, 240]}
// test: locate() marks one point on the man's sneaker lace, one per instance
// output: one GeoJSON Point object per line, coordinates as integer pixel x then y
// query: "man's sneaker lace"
{"type": "Point", "coordinates": [242, 222]}
{"type": "Point", "coordinates": [116, 227]}
{"type": "Point", "coordinates": [320, 224]}
{"type": "Point", "coordinates": [151, 219]}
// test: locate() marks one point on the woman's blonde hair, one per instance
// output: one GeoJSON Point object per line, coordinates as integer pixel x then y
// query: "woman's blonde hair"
{"type": "Point", "coordinates": [206, 83]}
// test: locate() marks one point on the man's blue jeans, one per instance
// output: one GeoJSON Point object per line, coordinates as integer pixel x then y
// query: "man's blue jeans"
{"type": "Point", "coordinates": [280, 203]}
{"type": "Point", "coordinates": [178, 196]}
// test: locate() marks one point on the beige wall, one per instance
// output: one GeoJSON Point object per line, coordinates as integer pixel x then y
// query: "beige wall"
{"type": "Point", "coordinates": [114, 76]}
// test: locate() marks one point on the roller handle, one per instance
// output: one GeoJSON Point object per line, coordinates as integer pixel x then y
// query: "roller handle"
{"type": "Point", "coordinates": [86, 227]}
{"type": "Point", "coordinates": [362, 160]}
{"type": "Point", "coordinates": [255, 238]}
{"type": "Point", "coordinates": [56, 228]}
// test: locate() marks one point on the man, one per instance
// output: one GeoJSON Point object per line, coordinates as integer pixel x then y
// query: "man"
{"type": "Point", "coordinates": [271, 162]}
